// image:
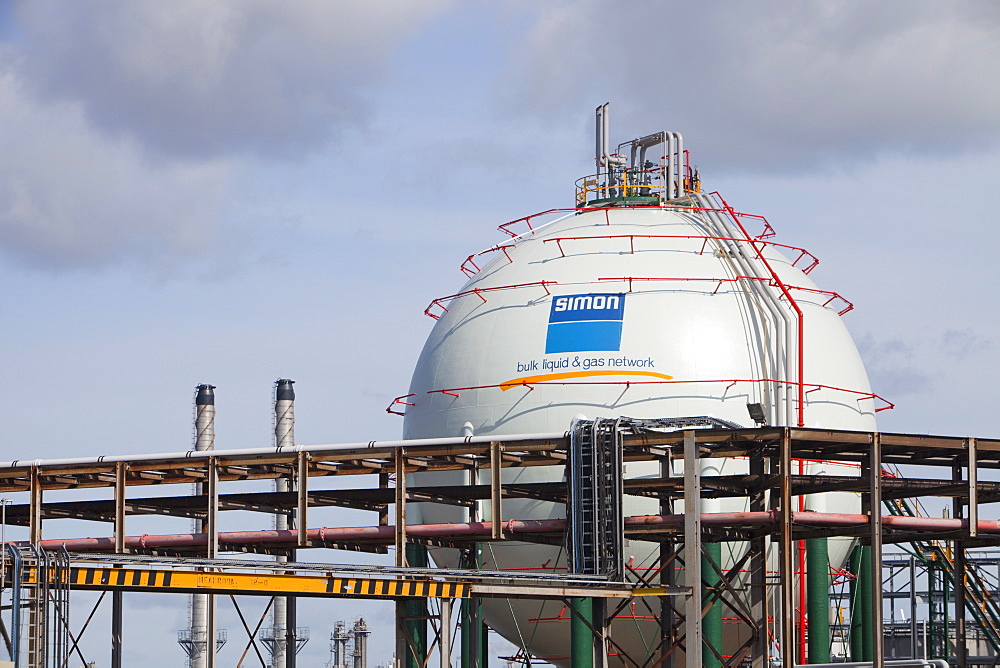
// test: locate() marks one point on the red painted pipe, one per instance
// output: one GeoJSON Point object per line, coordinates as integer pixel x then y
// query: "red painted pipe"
{"type": "Point", "coordinates": [510, 527]}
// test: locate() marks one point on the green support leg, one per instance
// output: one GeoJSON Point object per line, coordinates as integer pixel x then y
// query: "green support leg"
{"type": "Point", "coordinates": [856, 612]}
{"type": "Point", "coordinates": [416, 613]}
{"type": "Point", "coordinates": [484, 645]}
{"type": "Point", "coordinates": [471, 620]}
{"type": "Point", "coordinates": [711, 623]}
{"type": "Point", "coordinates": [581, 637]}
{"type": "Point", "coordinates": [470, 623]}
{"type": "Point", "coordinates": [864, 583]}
{"type": "Point", "coordinates": [818, 599]}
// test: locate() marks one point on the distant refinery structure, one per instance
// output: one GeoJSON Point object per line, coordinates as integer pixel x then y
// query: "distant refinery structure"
{"type": "Point", "coordinates": [349, 646]}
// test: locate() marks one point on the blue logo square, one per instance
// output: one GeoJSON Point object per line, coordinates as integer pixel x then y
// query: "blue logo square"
{"type": "Point", "coordinates": [579, 323]}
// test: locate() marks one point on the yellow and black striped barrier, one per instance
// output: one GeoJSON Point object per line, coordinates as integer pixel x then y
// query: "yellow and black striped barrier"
{"type": "Point", "coordinates": [263, 584]}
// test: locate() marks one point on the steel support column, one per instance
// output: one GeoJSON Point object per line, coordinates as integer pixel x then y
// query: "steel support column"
{"type": "Point", "coordinates": [116, 629]}
{"type": "Point", "coordinates": [875, 558]}
{"type": "Point", "coordinates": [416, 613]}
{"type": "Point", "coordinates": [668, 570]}
{"type": "Point", "coordinates": [758, 573]}
{"type": "Point", "coordinates": [444, 645]}
{"type": "Point", "coordinates": [786, 569]}
{"type": "Point", "coordinates": [913, 609]}
{"type": "Point", "coordinates": [692, 552]}
{"type": "Point", "coordinates": [961, 644]}
{"type": "Point", "coordinates": [302, 512]}
{"type": "Point", "coordinates": [211, 527]}
{"type": "Point", "coordinates": [117, 602]}
{"type": "Point", "coordinates": [400, 506]}
{"type": "Point", "coordinates": [35, 508]}
{"type": "Point", "coordinates": [471, 608]}
{"type": "Point", "coordinates": [496, 491]}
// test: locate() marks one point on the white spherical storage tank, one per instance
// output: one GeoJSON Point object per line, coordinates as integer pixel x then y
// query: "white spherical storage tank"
{"type": "Point", "coordinates": [649, 300]}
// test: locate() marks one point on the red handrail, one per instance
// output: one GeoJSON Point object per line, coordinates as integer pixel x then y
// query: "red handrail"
{"type": "Point", "coordinates": [456, 391]}
{"type": "Point", "coordinates": [478, 292]}
{"type": "Point", "coordinates": [767, 233]}
{"type": "Point", "coordinates": [398, 401]}
{"type": "Point", "coordinates": [833, 296]}
{"type": "Point", "coordinates": [791, 301]}
{"type": "Point", "coordinates": [470, 260]}
{"type": "Point", "coordinates": [632, 237]}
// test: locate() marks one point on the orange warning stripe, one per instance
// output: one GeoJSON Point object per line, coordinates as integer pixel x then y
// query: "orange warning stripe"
{"type": "Point", "coordinates": [547, 377]}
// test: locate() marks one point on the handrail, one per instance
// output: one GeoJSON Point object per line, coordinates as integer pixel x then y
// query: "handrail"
{"type": "Point", "coordinates": [767, 232]}
{"type": "Point", "coordinates": [398, 401]}
{"type": "Point", "coordinates": [632, 237]}
{"type": "Point", "coordinates": [439, 302]}
{"type": "Point", "coordinates": [470, 260]}
{"type": "Point", "coordinates": [862, 396]}
{"type": "Point", "coordinates": [833, 296]}
{"type": "Point", "coordinates": [478, 292]}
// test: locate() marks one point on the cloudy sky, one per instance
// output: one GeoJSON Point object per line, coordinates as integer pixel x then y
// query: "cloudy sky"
{"type": "Point", "coordinates": [237, 191]}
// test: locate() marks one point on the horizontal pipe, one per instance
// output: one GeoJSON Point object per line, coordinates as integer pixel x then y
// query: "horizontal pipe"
{"type": "Point", "coordinates": [250, 452]}
{"type": "Point", "coordinates": [510, 527]}
{"type": "Point", "coordinates": [926, 663]}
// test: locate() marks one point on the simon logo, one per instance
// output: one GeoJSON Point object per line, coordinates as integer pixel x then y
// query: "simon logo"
{"type": "Point", "coordinates": [585, 322]}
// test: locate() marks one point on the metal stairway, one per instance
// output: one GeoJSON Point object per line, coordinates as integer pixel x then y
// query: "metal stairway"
{"type": "Point", "coordinates": [980, 601]}
{"type": "Point", "coordinates": [594, 508]}
{"type": "Point", "coordinates": [39, 583]}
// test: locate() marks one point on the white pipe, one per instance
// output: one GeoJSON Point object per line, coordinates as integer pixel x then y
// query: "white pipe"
{"type": "Point", "coordinates": [784, 363]}
{"type": "Point", "coordinates": [680, 164]}
{"type": "Point", "coordinates": [250, 452]}
{"type": "Point", "coordinates": [785, 354]}
{"type": "Point", "coordinates": [606, 133]}
{"type": "Point", "coordinates": [598, 126]}
{"type": "Point", "coordinates": [669, 189]}
{"type": "Point", "coordinates": [935, 663]}
{"type": "Point", "coordinates": [779, 412]}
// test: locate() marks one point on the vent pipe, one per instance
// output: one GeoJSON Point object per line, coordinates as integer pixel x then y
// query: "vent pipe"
{"type": "Point", "coordinates": [284, 436]}
{"type": "Point", "coordinates": [196, 641]}
{"type": "Point", "coordinates": [204, 420]}
{"type": "Point", "coordinates": [284, 413]}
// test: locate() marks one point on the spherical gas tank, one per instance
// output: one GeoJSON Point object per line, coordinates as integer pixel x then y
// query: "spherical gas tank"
{"type": "Point", "coordinates": [645, 312]}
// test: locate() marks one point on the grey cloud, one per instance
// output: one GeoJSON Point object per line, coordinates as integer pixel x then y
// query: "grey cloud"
{"type": "Point", "coordinates": [127, 127]}
{"type": "Point", "coordinates": [774, 85]}
{"type": "Point", "coordinates": [194, 79]}
{"type": "Point", "coordinates": [961, 343]}
{"type": "Point", "coordinates": [71, 198]}
{"type": "Point", "coordinates": [893, 366]}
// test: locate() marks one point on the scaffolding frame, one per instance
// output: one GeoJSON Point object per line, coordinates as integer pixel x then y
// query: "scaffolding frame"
{"type": "Point", "coordinates": [772, 487]}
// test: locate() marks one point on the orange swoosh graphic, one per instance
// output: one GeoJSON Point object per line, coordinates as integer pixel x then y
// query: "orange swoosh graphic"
{"type": "Point", "coordinates": [528, 380]}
